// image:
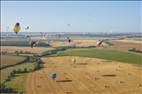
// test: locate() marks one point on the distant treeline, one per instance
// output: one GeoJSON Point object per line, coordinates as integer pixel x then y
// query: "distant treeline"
{"type": "Point", "coordinates": [67, 34]}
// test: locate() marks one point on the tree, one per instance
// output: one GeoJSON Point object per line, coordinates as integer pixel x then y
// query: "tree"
{"type": "Point", "coordinates": [16, 52]}
{"type": "Point", "coordinates": [11, 74]}
{"type": "Point", "coordinates": [25, 70]}
{"type": "Point", "coordinates": [14, 71]}
{"type": "Point", "coordinates": [19, 70]}
{"type": "Point", "coordinates": [21, 52]}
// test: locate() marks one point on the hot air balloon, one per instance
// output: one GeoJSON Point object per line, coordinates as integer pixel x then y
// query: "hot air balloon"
{"type": "Point", "coordinates": [53, 76]}
{"type": "Point", "coordinates": [73, 60]}
{"type": "Point", "coordinates": [33, 43]}
{"type": "Point", "coordinates": [17, 27]}
{"type": "Point", "coordinates": [99, 42]}
{"type": "Point", "coordinates": [69, 40]}
{"type": "Point", "coordinates": [27, 28]}
{"type": "Point", "coordinates": [68, 24]}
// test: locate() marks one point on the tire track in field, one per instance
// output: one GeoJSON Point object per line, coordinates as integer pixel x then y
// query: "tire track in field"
{"type": "Point", "coordinates": [41, 87]}
{"type": "Point", "coordinates": [81, 84]}
{"type": "Point", "coordinates": [35, 84]}
{"type": "Point", "coordinates": [30, 84]}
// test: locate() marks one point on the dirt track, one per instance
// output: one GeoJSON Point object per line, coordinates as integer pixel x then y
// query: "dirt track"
{"type": "Point", "coordinates": [87, 76]}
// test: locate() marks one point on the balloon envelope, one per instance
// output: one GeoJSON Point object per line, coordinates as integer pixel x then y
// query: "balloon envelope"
{"type": "Point", "coordinates": [33, 43]}
{"type": "Point", "coordinates": [53, 75]}
{"type": "Point", "coordinates": [27, 27]}
{"type": "Point", "coordinates": [17, 28]}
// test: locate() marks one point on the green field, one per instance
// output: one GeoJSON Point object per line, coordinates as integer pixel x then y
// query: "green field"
{"type": "Point", "coordinates": [20, 85]}
{"type": "Point", "coordinates": [104, 54]}
{"type": "Point", "coordinates": [7, 71]}
{"type": "Point", "coordinates": [18, 82]}
{"type": "Point", "coordinates": [10, 60]}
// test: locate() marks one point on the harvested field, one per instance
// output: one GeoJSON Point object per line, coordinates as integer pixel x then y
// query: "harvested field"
{"type": "Point", "coordinates": [10, 60]}
{"type": "Point", "coordinates": [76, 42]}
{"type": "Point", "coordinates": [98, 76]}
{"type": "Point", "coordinates": [131, 41]}
{"type": "Point", "coordinates": [127, 44]}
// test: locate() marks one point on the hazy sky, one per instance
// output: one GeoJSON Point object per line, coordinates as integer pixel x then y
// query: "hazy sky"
{"type": "Point", "coordinates": [72, 16]}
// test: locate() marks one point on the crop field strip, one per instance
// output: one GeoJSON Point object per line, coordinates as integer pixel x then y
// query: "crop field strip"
{"type": "Point", "coordinates": [105, 54]}
{"type": "Point", "coordinates": [8, 60]}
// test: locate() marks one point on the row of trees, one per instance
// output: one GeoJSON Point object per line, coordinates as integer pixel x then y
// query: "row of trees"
{"type": "Point", "coordinates": [135, 50]}
{"type": "Point", "coordinates": [38, 65]}
{"type": "Point", "coordinates": [5, 89]}
{"type": "Point", "coordinates": [51, 52]}
{"type": "Point", "coordinates": [18, 71]}
{"type": "Point", "coordinates": [16, 52]}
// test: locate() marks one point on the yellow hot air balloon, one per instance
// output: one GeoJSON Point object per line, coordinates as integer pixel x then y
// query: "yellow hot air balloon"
{"type": "Point", "coordinates": [17, 28]}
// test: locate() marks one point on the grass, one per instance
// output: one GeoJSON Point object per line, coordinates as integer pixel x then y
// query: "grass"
{"type": "Point", "coordinates": [6, 72]}
{"type": "Point", "coordinates": [20, 85]}
{"type": "Point", "coordinates": [104, 54]}
{"type": "Point", "coordinates": [10, 60]}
